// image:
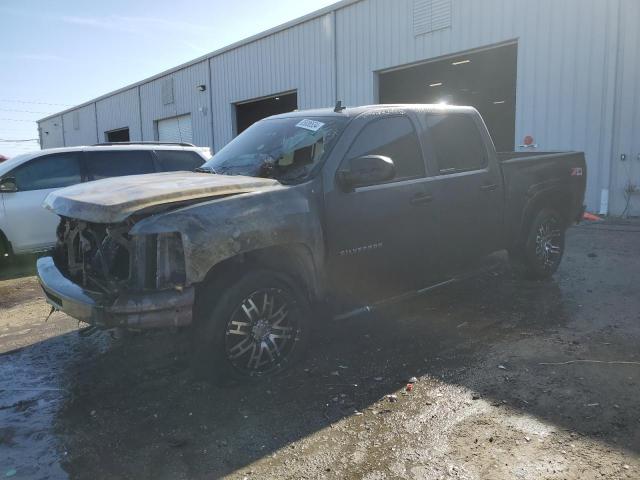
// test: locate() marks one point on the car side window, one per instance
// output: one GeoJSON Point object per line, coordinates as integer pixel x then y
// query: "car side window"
{"type": "Point", "coordinates": [392, 137]}
{"type": "Point", "coordinates": [177, 160]}
{"type": "Point", "coordinates": [49, 171]}
{"type": "Point", "coordinates": [456, 142]}
{"type": "Point", "coordinates": [118, 163]}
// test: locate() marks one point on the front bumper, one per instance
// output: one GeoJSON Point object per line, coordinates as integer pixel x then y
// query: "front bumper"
{"type": "Point", "coordinates": [166, 308]}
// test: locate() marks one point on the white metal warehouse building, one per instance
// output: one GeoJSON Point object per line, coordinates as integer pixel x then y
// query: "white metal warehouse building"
{"type": "Point", "coordinates": [564, 72]}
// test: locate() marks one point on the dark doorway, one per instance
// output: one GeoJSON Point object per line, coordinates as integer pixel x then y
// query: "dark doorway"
{"type": "Point", "coordinates": [119, 135]}
{"type": "Point", "coordinates": [484, 79]}
{"type": "Point", "coordinates": [247, 113]}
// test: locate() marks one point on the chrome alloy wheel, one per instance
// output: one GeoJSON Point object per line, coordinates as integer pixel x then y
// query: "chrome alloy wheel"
{"type": "Point", "coordinates": [549, 243]}
{"type": "Point", "coordinates": [262, 332]}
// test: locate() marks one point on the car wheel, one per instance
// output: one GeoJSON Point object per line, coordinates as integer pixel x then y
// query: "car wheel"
{"type": "Point", "coordinates": [257, 327]}
{"type": "Point", "coordinates": [540, 255]}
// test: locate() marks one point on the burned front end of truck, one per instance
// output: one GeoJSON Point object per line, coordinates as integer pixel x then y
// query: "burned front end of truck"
{"type": "Point", "coordinates": [105, 276]}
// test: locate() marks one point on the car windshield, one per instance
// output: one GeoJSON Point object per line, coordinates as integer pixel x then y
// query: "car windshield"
{"type": "Point", "coordinates": [286, 149]}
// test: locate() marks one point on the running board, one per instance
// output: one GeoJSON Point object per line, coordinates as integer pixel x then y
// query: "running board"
{"type": "Point", "coordinates": [403, 297]}
{"type": "Point", "coordinates": [412, 294]}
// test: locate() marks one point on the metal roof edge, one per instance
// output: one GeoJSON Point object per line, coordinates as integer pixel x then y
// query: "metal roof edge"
{"type": "Point", "coordinates": [258, 36]}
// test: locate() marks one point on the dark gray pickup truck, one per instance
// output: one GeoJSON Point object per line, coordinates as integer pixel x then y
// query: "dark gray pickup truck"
{"type": "Point", "coordinates": [350, 207]}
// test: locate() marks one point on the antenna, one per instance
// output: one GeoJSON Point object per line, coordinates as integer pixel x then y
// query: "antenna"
{"type": "Point", "coordinates": [338, 108]}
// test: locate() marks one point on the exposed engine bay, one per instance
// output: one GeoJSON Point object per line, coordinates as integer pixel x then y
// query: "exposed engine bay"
{"type": "Point", "coordinates": [107, 259]}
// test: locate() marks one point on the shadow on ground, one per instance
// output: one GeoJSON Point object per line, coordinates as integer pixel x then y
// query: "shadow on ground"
{"type": "Point", "coordinates": [130, 409]}
{"type": "Point", "coordinates": [17, 266]}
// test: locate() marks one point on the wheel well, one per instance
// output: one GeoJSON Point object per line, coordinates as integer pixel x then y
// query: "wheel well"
{"type": "Point", "coordinates": [295, 260]}
{"type": "Point", "coordinates": [5, 245]}
{"type": "Point", "coordinates": [559, 201]}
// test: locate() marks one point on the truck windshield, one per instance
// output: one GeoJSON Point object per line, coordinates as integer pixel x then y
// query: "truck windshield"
{"type": "Point", "coordinates": [286, 149]}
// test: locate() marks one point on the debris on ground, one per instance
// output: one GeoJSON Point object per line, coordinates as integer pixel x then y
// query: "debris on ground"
{"type": "Point", "coordinates": [412, 380]}
{"type": "Point", "coordinates": [409, 387]}
{"type": "Point", "coordinates": [392, 397]}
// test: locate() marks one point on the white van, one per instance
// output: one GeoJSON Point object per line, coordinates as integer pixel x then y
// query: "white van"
{"type": "Point", "coordinates": [26, 180]}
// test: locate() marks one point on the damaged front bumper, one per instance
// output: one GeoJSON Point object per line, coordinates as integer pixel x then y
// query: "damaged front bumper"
{"type": "Point", "coordinates": [164, 308]}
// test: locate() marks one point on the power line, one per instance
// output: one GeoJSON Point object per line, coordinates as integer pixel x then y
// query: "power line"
{"type": "Point", "coordinates": [4, 140]}
{"type": "Point", "coordinates": [37, 103]}
{"type": "Point", "coordinates": [21, 111]}
{"type": "Point", "coordinates": [17, 120]}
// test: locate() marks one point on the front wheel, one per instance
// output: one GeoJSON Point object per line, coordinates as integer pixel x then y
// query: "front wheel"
{"type": "Point", "coordinates": [541, 253]}
{"type": "Point", "coordinates": [256, 327]}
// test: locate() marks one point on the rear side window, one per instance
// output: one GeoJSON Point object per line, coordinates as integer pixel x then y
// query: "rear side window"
{"type": "Point", "coordinates": [457, 143]}
{"type": "Point", "coordinates": [176, 160]}
{"type": "Point", "coordinates": [392, 137]}
{"type": "Point", "coordinates": [50, 171]}
{"type": "Point", "coordinates": [118, 163]}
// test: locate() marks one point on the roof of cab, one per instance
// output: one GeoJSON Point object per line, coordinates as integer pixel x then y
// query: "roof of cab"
{"type": "Point", "coordinates": [353, 112]}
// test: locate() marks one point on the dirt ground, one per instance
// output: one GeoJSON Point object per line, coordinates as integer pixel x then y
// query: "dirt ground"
{"type": "Point", "coordinates": [504, 390]}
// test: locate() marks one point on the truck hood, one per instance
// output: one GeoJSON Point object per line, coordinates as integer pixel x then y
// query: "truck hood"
{"type": "Point", "coordinates": [112, 200]}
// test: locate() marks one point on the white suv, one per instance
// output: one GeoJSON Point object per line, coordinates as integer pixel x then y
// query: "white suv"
{"type": "Point", "coordinates": [26, 180]}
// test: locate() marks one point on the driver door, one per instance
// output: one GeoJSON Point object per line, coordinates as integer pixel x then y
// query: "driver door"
{"type": "Point", "coordinates": [376, 234]}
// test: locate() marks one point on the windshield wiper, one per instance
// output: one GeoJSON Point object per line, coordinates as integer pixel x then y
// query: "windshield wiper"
{"type": "Point", "coordinates": [205, 170]}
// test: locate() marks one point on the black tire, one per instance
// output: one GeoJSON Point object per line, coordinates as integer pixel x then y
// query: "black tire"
{"type": "Point", "coordinates": [5, 253]}
{"type": "Point", "coordinates": [540, 253]}
{"type": "Point", "coordinates": [256, 327]}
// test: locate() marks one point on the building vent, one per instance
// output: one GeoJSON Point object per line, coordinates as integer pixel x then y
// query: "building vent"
{"type": "Point", "coordinates": [431, 15]}
{"type": "Point", "coordinates": [76, 120]}
{"type": "Point", "coordinates": [167, 91]}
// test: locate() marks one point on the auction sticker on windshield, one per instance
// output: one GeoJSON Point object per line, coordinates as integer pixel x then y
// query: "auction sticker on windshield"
{"type": "Point", "coordinates": [312, 125]}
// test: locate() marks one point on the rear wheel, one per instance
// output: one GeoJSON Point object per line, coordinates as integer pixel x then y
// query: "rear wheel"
{"type": "Point", "coordinates": [541, 252]}
{"type": "Point", "coordinates": [256, 327]}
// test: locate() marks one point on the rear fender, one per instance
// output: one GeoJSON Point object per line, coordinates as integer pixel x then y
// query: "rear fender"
{"type": "Point", "coordinates": [552, 195]}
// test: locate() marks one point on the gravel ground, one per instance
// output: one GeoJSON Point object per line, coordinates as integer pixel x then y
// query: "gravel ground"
{"type": "Point", "coordinates": [502, 390]}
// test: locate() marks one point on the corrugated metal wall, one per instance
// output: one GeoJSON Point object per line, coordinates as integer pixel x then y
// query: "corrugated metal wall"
{"type": "Point", "coordinates": [626, 140]}
{"type": "Point", "coordinates": [299, 58]}
{"type": "Point", "coordinates": [565, 64]}
{"type": "Point", "coordinates": [80, 126]}
{"type": "Point", "coordinates": [120, 111]}
{"type": "Point", "coordinates": [572, 85]}
{"type": "Point", "coordinates": [51, 132]}
{"type": "Point", "coordinates": [186, 99]}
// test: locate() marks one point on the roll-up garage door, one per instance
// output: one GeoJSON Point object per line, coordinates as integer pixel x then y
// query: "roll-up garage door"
{"type": "Point", "coordinates": [175, 129]}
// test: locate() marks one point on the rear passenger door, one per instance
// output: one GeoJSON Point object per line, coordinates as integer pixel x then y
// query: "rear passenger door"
{"type": "Point", "coordinates": [382, 237]}
{"type": "Point", "coordinates": [469, 188]}
{"type": "Point", "coordinates": [117, 163]}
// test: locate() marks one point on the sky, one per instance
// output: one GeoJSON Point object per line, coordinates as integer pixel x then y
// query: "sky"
{"type": "Point", "coordinates": [56, 54]}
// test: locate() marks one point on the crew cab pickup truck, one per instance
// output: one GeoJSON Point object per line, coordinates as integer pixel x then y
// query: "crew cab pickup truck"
{"type": "Point", "coordinates": [350, 207]}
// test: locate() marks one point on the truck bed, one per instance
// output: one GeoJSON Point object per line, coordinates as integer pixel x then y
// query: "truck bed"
{"type": "Point", "coordinates": [530, 177]}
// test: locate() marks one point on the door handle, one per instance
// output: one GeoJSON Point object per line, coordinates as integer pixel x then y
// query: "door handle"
{"type": "Point", "coordinates": [421, 198]}
{"type": "Point", "coordinates": [489, 188]}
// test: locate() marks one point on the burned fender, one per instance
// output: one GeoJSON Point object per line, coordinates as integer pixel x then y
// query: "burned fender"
{"type": "Point", "coordinates": [216, 230]}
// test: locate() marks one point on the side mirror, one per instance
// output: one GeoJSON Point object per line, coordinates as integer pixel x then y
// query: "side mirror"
{"type": "Point", "coordinates": [366, 170]}
{"type": "Point", "coordinates": [8, 185]}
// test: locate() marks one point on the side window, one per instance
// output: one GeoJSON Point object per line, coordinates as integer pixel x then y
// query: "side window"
{"type": "Point", "coordinates": [392, 137]}
{"type": "Point", "coordinates": [51, 171]}
{"type": "Point", "coordinates": [176, 160]}
{"type": "Point", "coordinates": [118, 163]}
{"type": "Point", "coordinates": [457, 143]}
